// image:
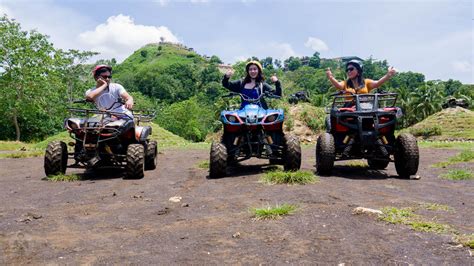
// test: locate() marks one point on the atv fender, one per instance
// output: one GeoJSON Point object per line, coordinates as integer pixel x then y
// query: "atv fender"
{"type": "Point", "coordinates": [142, 133]}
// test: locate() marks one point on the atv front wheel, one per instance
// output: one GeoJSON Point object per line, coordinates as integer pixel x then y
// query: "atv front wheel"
{"type": "Point", "coordinates": [292, 153]}
{"type": "Point", "coordinates": [218, 160]}
{"type": "Point", "coordinates": [406, 155]}
{"type": "Point", "coordinates": [151, 155]}
{"type": "Point", "coordinates": [377, 164]}
{"type": "Point", "coordinates": [55, 158]}
{"type": "Point", "coordinates": [135, 168]}
{"type": "Point", "coordinates": [325, 154]}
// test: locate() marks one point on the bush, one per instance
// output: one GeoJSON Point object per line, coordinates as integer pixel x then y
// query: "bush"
{"type": "Point", "coordinates": [189, 119]}
{"type": "Point", "coordinates": [426, 131]}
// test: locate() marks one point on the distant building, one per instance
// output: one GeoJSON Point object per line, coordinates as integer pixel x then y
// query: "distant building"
{"type": "Point", "coordinates": [223, 68]}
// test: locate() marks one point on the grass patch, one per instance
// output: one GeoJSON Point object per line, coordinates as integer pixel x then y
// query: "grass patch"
{"type": "Point", "coordinates": [21, 154]}
{"type": "Point", "coordinates": [426, 131]}
{"type": "Point", "coordinates": [273, 212]}
{"type": "Point", "coordinates": [436, 207]}
{"type": "Point", "coordinates": [464, 156]}
{"type": "Point", "coordinates": [13, 145]}
{"type": "Point", "coordinates": [282, 177]}
{"type": "Point", "coordinates": [458, 174]}
{"type": "Point", "coordinates": [63, 178]}
{"type": "Point", "coordinates": [357, 164]}
{"type": "Point", "coordinates": [203, 164]}
{"type": "Point", "coordinates": [446, 145]}
{"type": "Point", "coordinates": [465, 240]}
{"type": "Point", "coordinates": [407, 216]}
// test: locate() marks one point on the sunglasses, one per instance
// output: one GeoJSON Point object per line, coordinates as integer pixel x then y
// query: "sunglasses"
{"type": "Point", "coordinates": [106, 77]}
{"type": "Point", "coordinates": [349, 69]}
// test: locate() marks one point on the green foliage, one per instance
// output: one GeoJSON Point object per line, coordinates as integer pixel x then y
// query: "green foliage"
{"type": "Point", "coordinates": [63, 178]}
{"type": "Point", "coordinates": [426, 131]}
{"type": "Point", "coordinates": [465, 240]}
{"type": "Point", "coordinates": [406, 216]}
{"type": "Point", "coordinates": [313, 117]}
{"type": "Point", "coordinates": [464, 156]}
{"type": "Point", "coordinates": [282, 177]}
{"type": "Point", "coordinates": [188, 119]}
{"type": "Point", "coordinates": [446, 145]}
{"type": "Point", "coordinates": [458, 174]}
{"type": "Point", "coordinates": [273, 212]}
{"type": "Point", "coordinates": [203, 164]}
{"type": "Point", "coordinates": [36, 81]}
{"type": "Point", "coordinates": [357, 164]}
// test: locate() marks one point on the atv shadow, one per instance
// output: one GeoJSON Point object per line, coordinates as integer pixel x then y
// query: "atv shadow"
{"type": "Point", "coordinates": [243, 170]}
{"type": "Point", "coordinates": [102, 174]}
{"type": "Point", "coordinates": [360, 173]}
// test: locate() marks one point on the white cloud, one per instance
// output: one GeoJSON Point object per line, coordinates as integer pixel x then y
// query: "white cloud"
{"type": "Point", "coordinates": [316, 44]}
{"type": "Point", "coordinates": [462, 66]}
{"type": "Point", "coordinates": [120, 36]}
{"type": "Point", "coordinates": [162, 2]}
{"type": "Point", "coordinates": [199, 1]}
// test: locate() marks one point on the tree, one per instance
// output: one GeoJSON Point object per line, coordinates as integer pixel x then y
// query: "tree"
{"type": "Point", "coordinates": [215, 60]}
{"type": "Point", "coordinates": [32, 78]}
{"type": "Point", "coordinates": [315, 61]}
{"type": "Point", "coordinates": [293, 63]}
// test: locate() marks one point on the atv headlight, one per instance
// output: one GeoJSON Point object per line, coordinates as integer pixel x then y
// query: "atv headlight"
{"type": "Point", "coordinates": [231, 118]}
{"type": "Point", "coordinates": [271, 118]}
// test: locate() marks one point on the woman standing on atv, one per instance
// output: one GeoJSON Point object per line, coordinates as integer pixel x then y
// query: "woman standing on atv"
{"type": "Point", "coordinates": [253, 85]}
{"type": "Point", "coordinates": [355, 82]}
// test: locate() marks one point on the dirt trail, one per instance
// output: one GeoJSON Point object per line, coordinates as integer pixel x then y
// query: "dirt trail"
{"type": "Point", "coordinates": [105, 219]}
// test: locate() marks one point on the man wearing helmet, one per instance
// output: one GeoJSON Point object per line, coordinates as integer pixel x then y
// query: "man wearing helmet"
{"type": "Point", "coordinates": [103, 75]}
{"type": "Point", "coordinates": [355, 82]}
{"type": "Point", "coordinates": [253, 85]}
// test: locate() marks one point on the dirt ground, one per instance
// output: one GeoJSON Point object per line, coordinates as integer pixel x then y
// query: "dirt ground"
{"type": "Point", "coordinates": [105, 219]}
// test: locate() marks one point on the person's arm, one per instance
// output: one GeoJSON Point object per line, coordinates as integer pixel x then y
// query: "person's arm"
{"type": "Point", "coordinates": [231, 85]}
{"type": "Point", "coordinates": [100, 86]}
{"type": "Point", "coordinates": [377, 83]}
{"type": "Point", "coordinates": [335, 83]}
{"type": "Point", "coordinates": [269, 88]}
{"type": "Point", "coordinates": [128, 100]}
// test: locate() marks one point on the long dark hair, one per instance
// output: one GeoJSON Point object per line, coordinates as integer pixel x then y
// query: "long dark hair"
{"type": "Point", "coordinates": [360, 76]}
{"type": "Point", "coordinates": [259, 79]}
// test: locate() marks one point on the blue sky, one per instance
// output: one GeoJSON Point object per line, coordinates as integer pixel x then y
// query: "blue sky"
{"type": "Point", "coordinates": [431, 37]}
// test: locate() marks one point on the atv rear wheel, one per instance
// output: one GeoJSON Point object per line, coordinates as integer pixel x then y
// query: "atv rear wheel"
{"type": "Point", "coordinates": [377, 164]}
{"type": "Point", "coordinates": [55, 158]}
{"type": "Point", "coordinates": [135, 168]}
{"type": "Point", "coordinates": [406, 155]}
{"type": "Point", "coordinates": [218, 160]}
{"type": "Point", "coordinates": [292, 153]}
{"type": "Point", "coordinates": [325, 154]}
{"type": "Point", "coordinates": [151, 155]}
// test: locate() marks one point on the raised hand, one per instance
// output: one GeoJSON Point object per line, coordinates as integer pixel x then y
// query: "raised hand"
{"type": "Point", "coordinates": [274, 78]}
{"type": "Point", "coordinates": [229, 73]}
{"type": "Point", "coordinates": [328, 72]}
{"type": "Point", "coordinates": [391, 72]}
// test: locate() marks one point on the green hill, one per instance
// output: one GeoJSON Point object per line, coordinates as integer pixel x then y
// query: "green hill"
{"type": "Point", "coordinates": [157, 56]}
{"type": "Point", "coordinates": [448, 124]}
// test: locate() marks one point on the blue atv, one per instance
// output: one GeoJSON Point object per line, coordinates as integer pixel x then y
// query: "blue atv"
{"type": "Point", "coordinates": [253, 132]}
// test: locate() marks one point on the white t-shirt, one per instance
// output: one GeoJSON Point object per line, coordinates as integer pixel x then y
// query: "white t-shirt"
{"type": "Point", "coordinates": [109, 96]}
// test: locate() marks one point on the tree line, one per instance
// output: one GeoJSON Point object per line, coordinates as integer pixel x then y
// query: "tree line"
{"type": "Point", "coordinates": [38, 81]}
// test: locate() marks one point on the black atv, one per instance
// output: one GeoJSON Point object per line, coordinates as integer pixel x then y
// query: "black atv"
{"type": "Point", "coordinates": [300, 96]}
{"type": "Point", "coordinates": [362, 127]}
{"type": "Point", "coordinates": [104, 138]}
